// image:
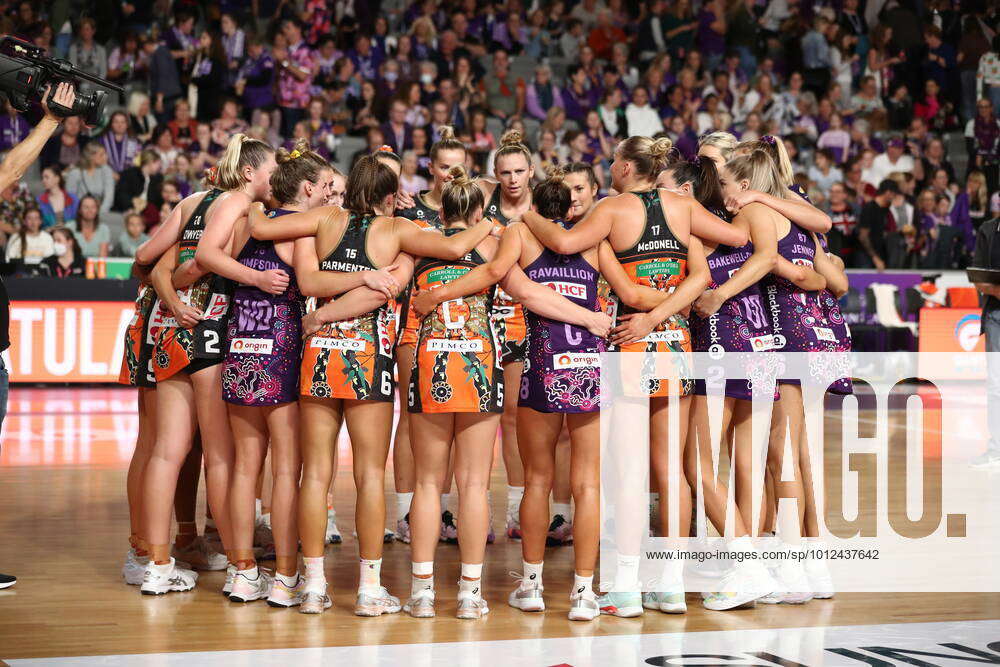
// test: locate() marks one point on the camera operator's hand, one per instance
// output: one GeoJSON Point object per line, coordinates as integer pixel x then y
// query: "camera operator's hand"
{"type": "Point", "coordinates": [64, 96]}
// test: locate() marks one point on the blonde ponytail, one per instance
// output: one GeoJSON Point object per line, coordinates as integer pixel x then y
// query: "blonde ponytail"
{"type": "Point", "coordinates": [446, 142]}
{"type": "Point", "coordinates": [242, 151]}
{"type": "Point", "coordinates": [511, 143]}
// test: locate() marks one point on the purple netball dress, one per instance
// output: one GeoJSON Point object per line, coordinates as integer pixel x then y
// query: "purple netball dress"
{"type": "Point", "coordinates": [798, 321]}
{"type": "Point", "coordinates": [562, 370]}
{"type": "Point", "coordinates": [740, 325]}
{"type": "Point", "coordinates": [265, 334]}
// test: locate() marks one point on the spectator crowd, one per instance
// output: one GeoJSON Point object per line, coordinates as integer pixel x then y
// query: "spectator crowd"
{"type": "Point", "coordinates": [887, 108]}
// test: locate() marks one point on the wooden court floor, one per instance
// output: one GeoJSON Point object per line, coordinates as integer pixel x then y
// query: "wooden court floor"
{"type": "Point", "coordinates": [64, 528]}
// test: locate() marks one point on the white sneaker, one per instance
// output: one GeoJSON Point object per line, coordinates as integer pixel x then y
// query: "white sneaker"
{"type": "Point", "coordinates": [134, 568]}
{"type": "Point", "coordinates": [227, 587]}
{"type": "Point", "coordinates": [166, 578]}
{"type": "Point", "coordinates": [471, 604]}
{"type": "Point", "coordinates": [314, 598]}
{"type": "Point", "coordinates": [668, 603]}
{"type": "Point", "coordinates": [282, 595]}
{"type": "Point", "coordinates": [739, 588]}
{"type": "Point", "coordinates": [527, 596]}
{"type": "Point", "coordinates": [250, 585]}
{"type": "Point", "coordinates": [376, 602]}
{"type": "Point", "coordinates": [332, 532]}
{"type": "Point", "coordinates": [818, 573]}
{"type": "Point", "coordinates": [793, 581]}
{"type": "Point", "coordinates": [199, 555]}
{"type": "Point", "coordinates": [421, 605]}
{"type": "Point", "coordinates": [583, 606]}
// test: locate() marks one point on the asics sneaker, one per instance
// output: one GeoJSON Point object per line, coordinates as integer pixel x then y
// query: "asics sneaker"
{"type": "Point", "coordinates": [227, 587]}
{"type": "Point", "coordinates": [560, 532]}
{"type": "Point", "coordinates": [166, 578]}
{"type": "Point", "coordinates": [200, 555]}
{"type": "Point", "coordinates": [283, 595]}
{"type": "Point", "coordinates": [421, 605]}
{"type": "Point", "coordinates": [583, 606]}
{"type": "Point", "coordinates": [375, 602]}
{"type": "Point", "coordinates": [622, 605]}
{"type": "Point", "coordinates": [818, 573]}
{"type": "Point", "coordinates": [315, 599]}
{"type": "Point", "coordinates": [471, 604]}
{"type": "Point", "coordinates": [668, 603]}
{"type": "Point", "coordinates": [250, 585]}
{"type": "Point", "coordinates": [527, 596]}
{"type": "Point", "coordinates": [134, 568]}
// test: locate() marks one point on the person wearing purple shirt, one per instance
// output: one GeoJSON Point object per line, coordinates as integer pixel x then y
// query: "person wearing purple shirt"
{"type": "Point", "coordinates": [13, 129]}
{"type": "Point", "coordinates": [257, 75]}
{"type": "Point", "coordinates": [578, 99]}
{"type": "Point", "coordinates": [366, 59]}
{"type": "Point", "coordinates": [712, 33]}
{"type": "Point", "coordinates": [542, 94]}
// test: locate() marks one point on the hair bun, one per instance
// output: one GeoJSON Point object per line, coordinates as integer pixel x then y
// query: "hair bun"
{"type": "Point", "coordinates": [300, 148]}
{"type": "Point", "coordinates": [511, 138]}
{"type": "Point", "coordinates": [660, 148]}
{"type": "Point", "coordinates": [446, 133]}
{"type": "Point", "coordinates": [458, 175]}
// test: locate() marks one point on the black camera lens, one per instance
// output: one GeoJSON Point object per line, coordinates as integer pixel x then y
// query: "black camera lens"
{"type": "Point", "coordinates": [90, 106]}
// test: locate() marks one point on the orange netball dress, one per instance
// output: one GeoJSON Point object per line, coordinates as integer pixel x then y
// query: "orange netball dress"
{"type": "Point", "coordinates": [427, 218]}
{"type": "Point", "coordinates": [658, 260]}
{"type": "Point", "coordinates": [178, 349]}
{"type": "Point", "coordinates": [137, 368]}
{"type": "Point", "coordinates": [456, 367]}
{"type": "Point", "coordinates": [508, 314]}
{"type": "Point", "coordinates": [352, 358]}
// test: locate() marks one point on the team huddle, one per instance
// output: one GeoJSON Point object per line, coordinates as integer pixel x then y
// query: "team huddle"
{"type": "Point", "coordinates": [283, 302]}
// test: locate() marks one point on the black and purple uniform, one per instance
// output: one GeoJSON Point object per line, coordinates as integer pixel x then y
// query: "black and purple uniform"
{"type": "Point", "coordinates": [562, 369]}
{"type": "Point", "coordinates": [264, 337]}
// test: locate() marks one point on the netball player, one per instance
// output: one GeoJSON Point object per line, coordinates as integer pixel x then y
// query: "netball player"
{"type": "Point", "coordinates": [187, 351]}
{"type": "Point", "coordinates": [508, 199]}
{"type": "Point", "coordinates": [456, 393]}
{"type": "Point", "coordinates": [136, 371]}
{"type": "Point", "coordinates": [840, 341]}
{"type": "Point", "coordinates": [583, 187]}
{"type": "Point", "coordinates": [347, 365]}
{"type": "Point", "coordinates": [445, 153]}
{"type": "Point", "coordinates": [648, 227]}
{"type": "Point", "coordinates": [260, 382]}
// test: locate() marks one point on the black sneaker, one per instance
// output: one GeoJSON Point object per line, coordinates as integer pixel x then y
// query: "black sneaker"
{"type": "Point", "coordinates": [449, 531]}
{"type": "Point", "coordinates": [7, 580]}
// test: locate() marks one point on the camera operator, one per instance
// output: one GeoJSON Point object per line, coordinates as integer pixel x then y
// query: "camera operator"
{"type": "Point", "coordinates": [17, 161]}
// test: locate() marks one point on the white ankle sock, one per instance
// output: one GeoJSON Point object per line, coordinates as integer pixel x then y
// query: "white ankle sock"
{"type": "Point", "coordinates": [583, 584]}
{"type": "Point", "coordinates": [514, 496]}
{"type": "Point", "coordinates": [403, 501]}
{"type": "Point", "coordinates": [532, 573]}
{"type": "Point", "coordinates": [562, 509]}
{"type": "Point", "coordinates": [371, 574]}
{"type": "Point", "coordinates": [472, 570]}
{"type": "Point", "coordinates": [418, 584]}
{"type": "Point", "coordinates": [627, 574]}
{"type": "Point", "coordinates": [314, 569]}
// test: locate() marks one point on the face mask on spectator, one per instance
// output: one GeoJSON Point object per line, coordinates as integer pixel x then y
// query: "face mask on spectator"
{"type": "Point", "coordinates": [59, 248]}
{"type": "Point", "coordinates": [427, 79]}
{"type": "Point", "coordinates": [391, 76]}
